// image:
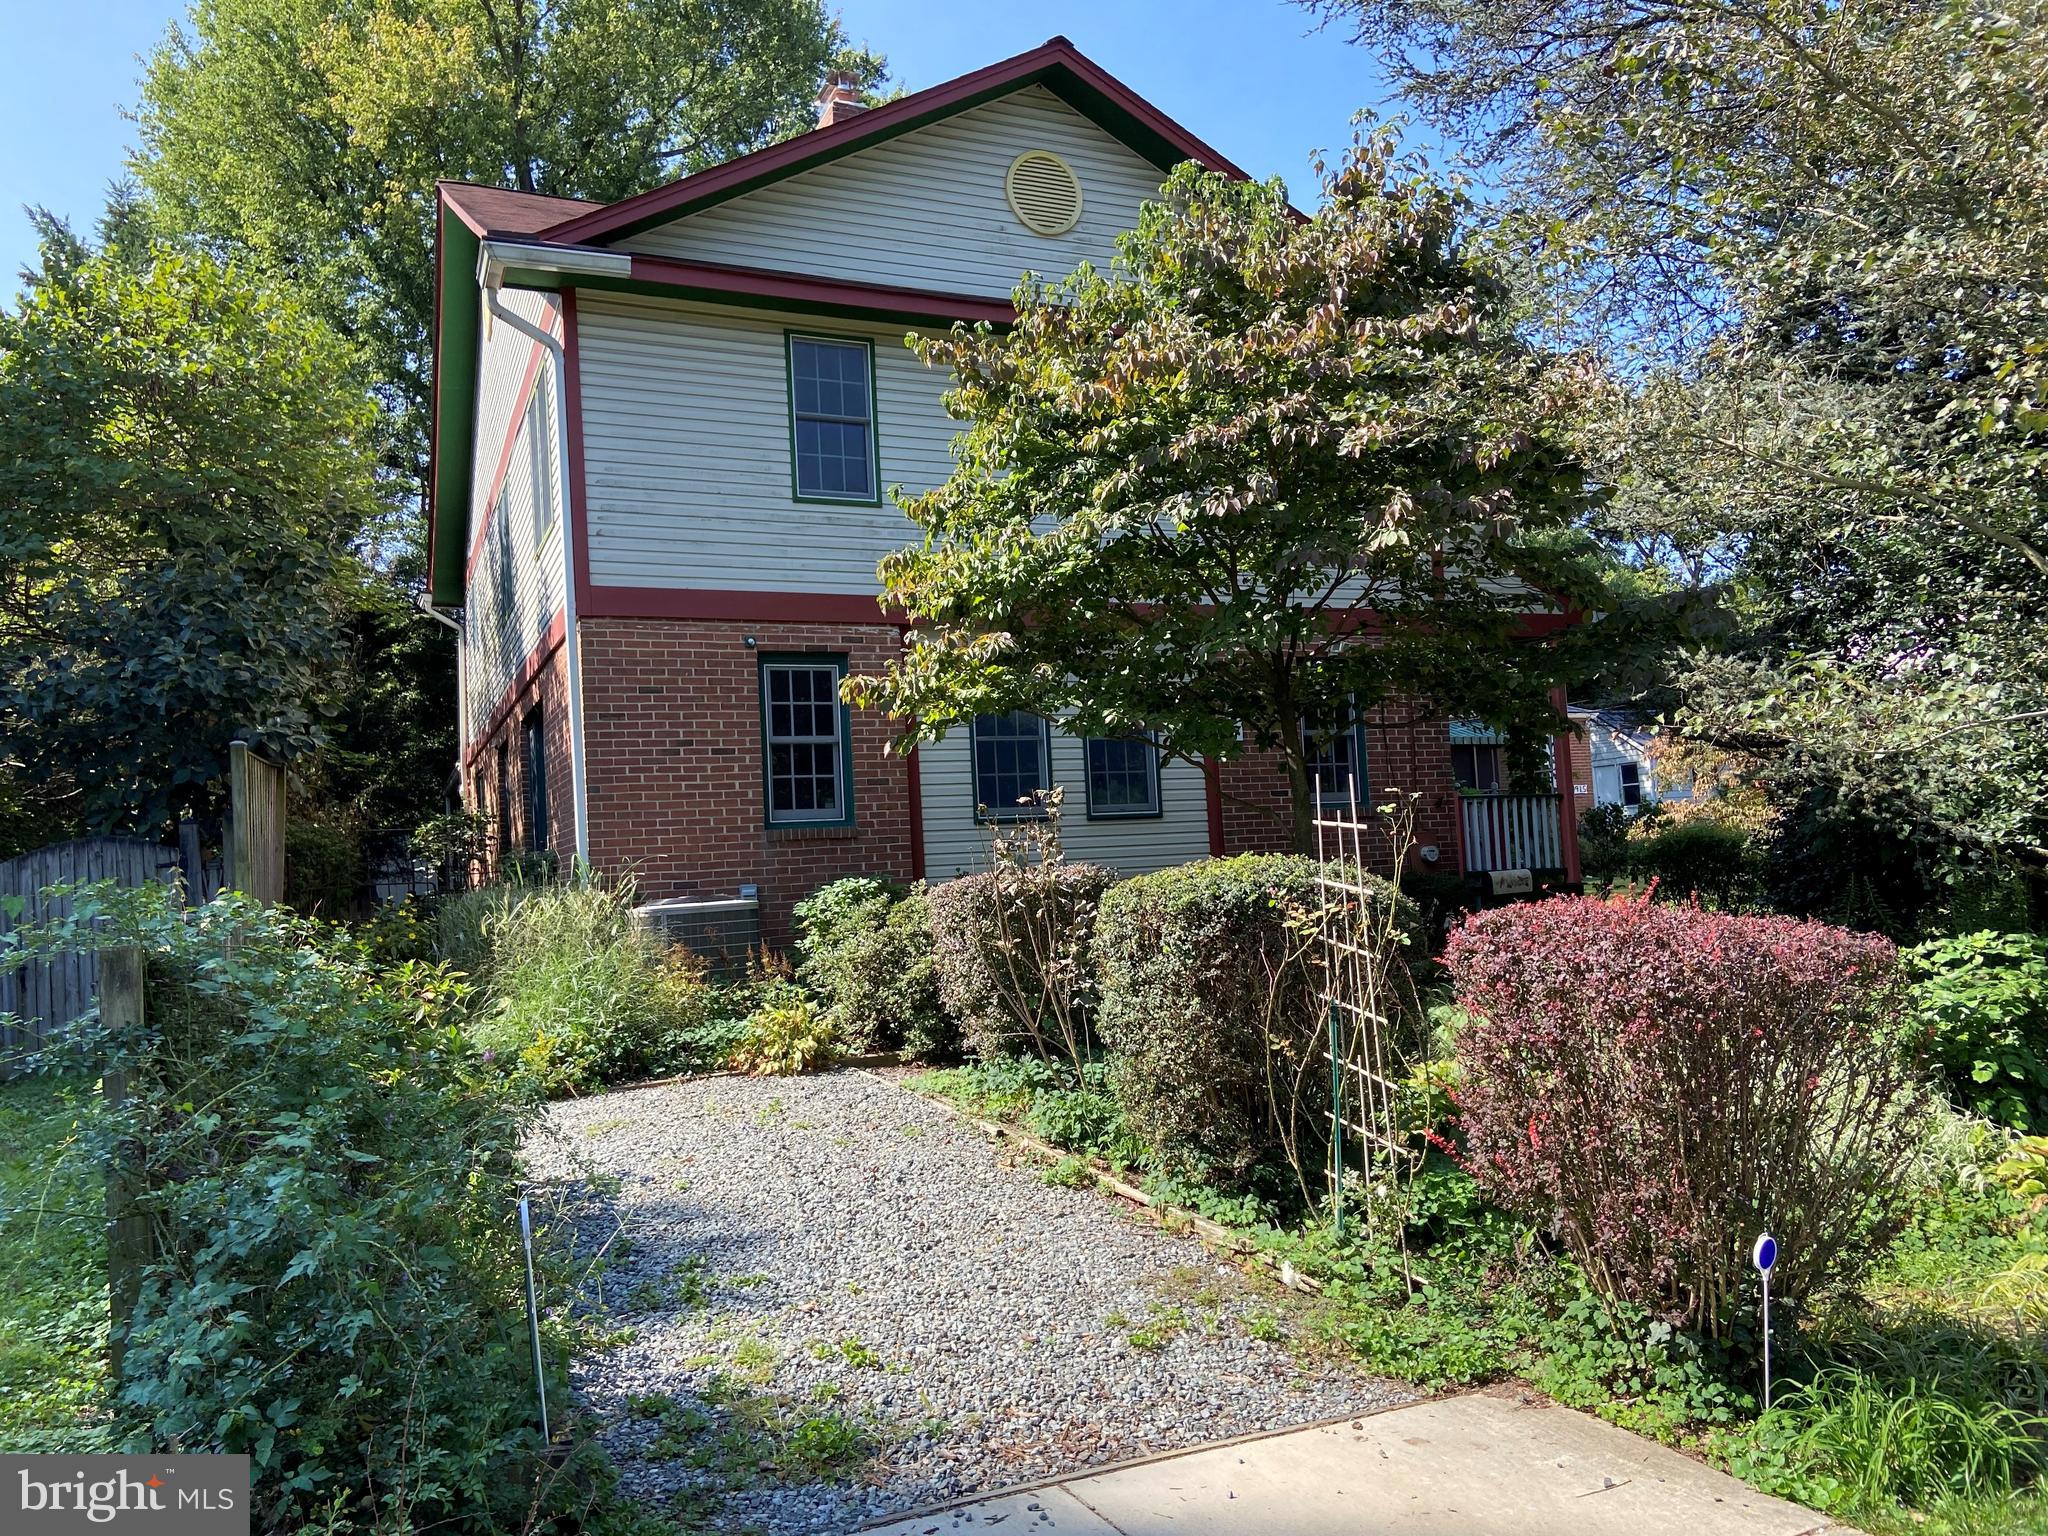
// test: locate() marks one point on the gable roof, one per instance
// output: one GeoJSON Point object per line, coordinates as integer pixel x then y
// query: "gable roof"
{"type": "Point", "coordinates": [1055, 64]}
{"type": "Point", "coordinates": [501, 211]}
{"type": "Point", "coordinates": [468, 215]}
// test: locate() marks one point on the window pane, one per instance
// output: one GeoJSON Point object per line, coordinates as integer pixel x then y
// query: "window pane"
{"type": "Point", "coordinates": [805, 760]}
{"type": "Point", "coordinates": [1123, 776]}
{"type": "Point", "coordinates": [1010, 767]}
{"type": "Point", "coordinates": [833, 425]}
{"type": "Point", "coordinates": [1333, 767]}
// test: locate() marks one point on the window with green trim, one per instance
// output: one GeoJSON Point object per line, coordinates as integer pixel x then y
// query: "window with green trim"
{"type": "Point", "coordinates": [804, 735]}
{"type": "Point", "coordinates": [1012, 766]}
{"type": "Point", "coordinates": [832, 419]}
{"type": "Point", "coordinates": [1123, 776]}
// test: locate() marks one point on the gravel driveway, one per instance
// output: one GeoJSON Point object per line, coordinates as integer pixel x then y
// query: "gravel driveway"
{"type": "Point", "coordinates": [844, 1303]}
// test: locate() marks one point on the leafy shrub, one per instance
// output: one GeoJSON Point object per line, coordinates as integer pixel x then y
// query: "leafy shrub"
{"type": "Point", "coordinates": [1708, 859]}
{"type": "Point", "coordinates": [1666, 1082]}
{"type": "Point", "coordinates": [1983, 1001]}
{"type": "Point", "coordinates": [1603, 842]}
{"type": "Point", "coordinates": [1209, 1007]}
{"type": "Point", "coordinates": [580, 993]}
{"type": "Point", "coordinates": [329, 1177]}
{"type": "Point", "coordinates": [1010, 946]}
{"type": "Point", "coordinates": [323, 865]}
{"type": "Point", "coordinates": [1076, 1119]}
{"type": "Point", "coordinates": [864, 949]}
{"type": "Point", "coordinates": [784, 1036]}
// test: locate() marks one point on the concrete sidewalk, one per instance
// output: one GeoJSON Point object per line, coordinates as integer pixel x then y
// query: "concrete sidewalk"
{"type": "Point", "coordinates": [1482, 1464]}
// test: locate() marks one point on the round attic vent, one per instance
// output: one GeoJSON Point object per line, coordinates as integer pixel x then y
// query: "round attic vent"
{"type": "Point", "coordinates": [1043, 192]}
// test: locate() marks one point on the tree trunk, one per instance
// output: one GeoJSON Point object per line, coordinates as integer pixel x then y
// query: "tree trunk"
{"type": "Point", "coordinates": [1303, 795]}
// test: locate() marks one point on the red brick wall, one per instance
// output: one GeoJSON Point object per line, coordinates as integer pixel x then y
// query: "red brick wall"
{"type": "Point", "coordinates": [1400, 753]}
{"type": "Point", "coordinates": [672, 746]}
{"type": "Point", "coordinates": [549, 689]}
{"type": "Point", "coordinates": [1581, 750]}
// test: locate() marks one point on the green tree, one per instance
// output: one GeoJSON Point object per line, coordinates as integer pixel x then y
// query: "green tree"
{"type": "Point", "coordinates": [1810, 238]}
{"type": "Point", "coordinates": [310, 133]}
{"type": "Point", "coordinates": [185, 454]}
{"type": "Point", "coordinates": [1268, 473]}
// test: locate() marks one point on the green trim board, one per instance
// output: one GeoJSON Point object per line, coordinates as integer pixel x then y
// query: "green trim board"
{"type": "Point", "coordinates": [867, 345]}
{"type": "Point", "coordinates": [837, 661]}
{"type": "Point", "coordinates": [455, 352]}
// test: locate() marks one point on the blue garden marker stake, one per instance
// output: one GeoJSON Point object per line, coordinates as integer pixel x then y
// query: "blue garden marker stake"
{"type": "Point", "coordinates": [1763, 1256]}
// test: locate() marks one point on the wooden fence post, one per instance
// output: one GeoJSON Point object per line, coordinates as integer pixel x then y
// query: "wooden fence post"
{"type": "Point", "coordinates": [256, 789]}
{"type": "Point", "coordinates": [121, 1006]}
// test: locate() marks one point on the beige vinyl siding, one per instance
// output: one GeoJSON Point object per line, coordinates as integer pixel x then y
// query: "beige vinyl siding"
{"type": "Point", "coordinates": [928, 209]}
{"type": "Point", "coordinates": [955, 844]}
{"type": "Point", "coordinates": [516, 588]}
{"type": "Point", "coordinates": [686, 451]}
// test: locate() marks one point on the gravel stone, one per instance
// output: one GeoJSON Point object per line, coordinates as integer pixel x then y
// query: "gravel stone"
{"type": "Point", "coordinates": [838, 1246]}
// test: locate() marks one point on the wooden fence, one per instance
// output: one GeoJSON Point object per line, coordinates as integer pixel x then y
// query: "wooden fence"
{"type": "Point", "coordinates": [45, 995]}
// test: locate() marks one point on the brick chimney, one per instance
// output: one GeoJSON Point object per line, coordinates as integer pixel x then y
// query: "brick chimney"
{"type": "Point", "coordinates": [840, 98]}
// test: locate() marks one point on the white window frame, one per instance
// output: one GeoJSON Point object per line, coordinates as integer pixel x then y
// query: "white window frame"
{"type": "Point", "coordinates": [841, 814]}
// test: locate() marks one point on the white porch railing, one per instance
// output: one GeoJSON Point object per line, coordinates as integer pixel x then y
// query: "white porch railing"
{"type": "Point", "coordinates": [1512, 832]}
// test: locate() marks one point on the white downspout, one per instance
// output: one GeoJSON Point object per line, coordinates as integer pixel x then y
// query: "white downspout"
{"type": "Point", "coordinates": [427, 607]}
{"type": "Point", "coordinates": [492, 278]}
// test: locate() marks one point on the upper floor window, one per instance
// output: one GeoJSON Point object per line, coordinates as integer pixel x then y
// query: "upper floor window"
{"type": "Point", "coordinates": [1012, 765]}
{"type": "Point", "coordinates": [832, 419]}
{"type": "Point", "coordinates": [1123, 776]}
{"type": "Point", "coordinates": [804, 731]}
{"type": "Point", "coordinates": [540, 415]}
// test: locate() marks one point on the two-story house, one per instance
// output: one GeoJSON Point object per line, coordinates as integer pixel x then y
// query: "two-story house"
{"type": "Point", "coordinates": [665, 431]}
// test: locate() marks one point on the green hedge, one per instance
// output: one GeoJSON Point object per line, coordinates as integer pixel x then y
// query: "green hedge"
{"type": "Point", "coordinates": [1198, 966]}
{"type": "Point", "coordinates": [864, 949]}
{"type": "Point", "coordinates": [984, 976]}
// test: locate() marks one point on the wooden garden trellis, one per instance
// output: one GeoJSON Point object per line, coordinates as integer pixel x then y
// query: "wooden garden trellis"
{"type": "Point", "coordinates": [1359, 938]}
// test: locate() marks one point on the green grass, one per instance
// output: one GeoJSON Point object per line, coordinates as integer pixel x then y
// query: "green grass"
{"type": "Point", "coordinates": [53, 1308]}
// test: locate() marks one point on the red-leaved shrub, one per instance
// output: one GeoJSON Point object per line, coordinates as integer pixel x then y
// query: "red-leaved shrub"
{"type": "Point", "coordinates": [1665, 1083]}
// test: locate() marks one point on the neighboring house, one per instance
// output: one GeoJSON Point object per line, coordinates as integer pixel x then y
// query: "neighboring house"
{"type": "Point", "coordinates": [664, 435]}
{"type": "Point", "coordinates": [1614, 762]}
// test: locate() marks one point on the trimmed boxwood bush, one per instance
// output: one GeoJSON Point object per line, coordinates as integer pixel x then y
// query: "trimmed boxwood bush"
{"type": "Point", "coordinates": [1209, 1007]}
{"type": "Point", "coordinates": [1708, 859]}
{"type": "Point", "coordinates": [864, 949]}
{"type": "Point", "coordinates": [1664, 1083]}
{"type": "Point", "coordinates": [995, 985]}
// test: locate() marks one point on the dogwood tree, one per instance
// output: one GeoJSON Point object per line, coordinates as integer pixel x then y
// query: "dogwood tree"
{"type": "Point", "coordinates": [1263, 476]}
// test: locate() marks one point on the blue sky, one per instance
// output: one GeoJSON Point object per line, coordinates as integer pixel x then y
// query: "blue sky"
{"type": "Point", "coordinates": [1252, 77]}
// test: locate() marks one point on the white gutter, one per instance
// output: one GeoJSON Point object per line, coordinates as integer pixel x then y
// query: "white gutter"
{"type": "Point", "coordinates": [426, 606]}
{"type": "Point", "coordinates": [494, 257]}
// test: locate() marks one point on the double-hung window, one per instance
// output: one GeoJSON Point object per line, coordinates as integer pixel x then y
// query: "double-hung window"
{"type": "Point", "coordinates": [533, 752]}
{"type": "Point", "coordinates": [1631, 784]}
{"type": "Point", "coordinates": [809, 769]}
{"type": "Point", "coordinates": [540, 416]}
{"type": "Point", "coordinates": [1123, 776]}
{"type": "Point", "coordinates": [832, 419]}
{"type": "Point", "coordinates": [1336, 767]}
{"type": "Point", "coordinates": [1012, 766]}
